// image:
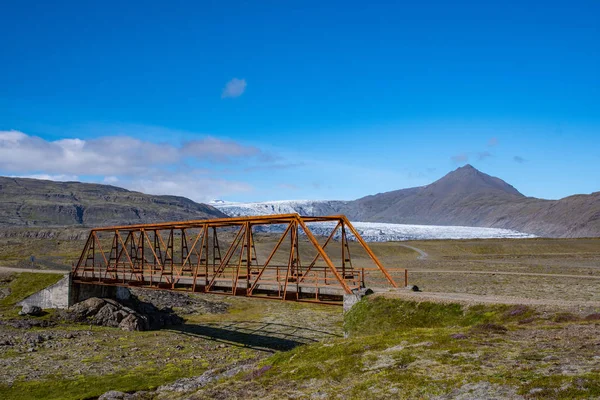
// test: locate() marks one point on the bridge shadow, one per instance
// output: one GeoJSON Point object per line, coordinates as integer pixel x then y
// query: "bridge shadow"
{"type": "Point", "coordinates": [262, 336]}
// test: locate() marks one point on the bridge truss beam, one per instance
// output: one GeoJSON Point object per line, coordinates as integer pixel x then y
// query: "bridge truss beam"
{"type": "Point", "coordinates": [225, 256]}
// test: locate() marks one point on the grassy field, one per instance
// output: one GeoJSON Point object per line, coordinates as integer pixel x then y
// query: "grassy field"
{"type": "Point", "coordinates": [567, 269]}
{"type": "Point", "coordinates": [411, 350]}
{"type": "Point", "coordinates": [51, 248]}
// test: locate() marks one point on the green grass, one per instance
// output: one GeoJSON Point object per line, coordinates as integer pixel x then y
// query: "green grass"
{"type": "Point", "coordinates": [379, 314]}
{"type": "Point", "coordinates": [378, 324]}
{"type": "Point", "coordinates": [27, 283]}
{"type": "Point", "coordinates": [402, 349]}
{"type": "Point", "coordinates": [82, 387]}
{"type": "Point", "coordinates": [563, 387]}
{"type": "Point", "coordinates": [349, 364]}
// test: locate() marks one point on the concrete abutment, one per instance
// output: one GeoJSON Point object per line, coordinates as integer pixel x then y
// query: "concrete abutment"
{"type": "Point", "coordinates": [65, 293]}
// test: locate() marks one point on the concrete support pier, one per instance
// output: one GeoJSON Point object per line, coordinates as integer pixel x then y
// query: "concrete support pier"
{"type": "Point", "coordinates": [65, 293]}
{"type": "Point", "coordinates": [353, 298]}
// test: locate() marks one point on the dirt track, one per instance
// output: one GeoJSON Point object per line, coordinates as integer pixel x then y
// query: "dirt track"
{"type": "Point", "coordinates": [422, 254]}
{"type": "Point", "coordinates": [37, 271]}
{"type": "Point", "coordinates": [503, 273]}
{"type": "Point", "coordinates": [471, 299]}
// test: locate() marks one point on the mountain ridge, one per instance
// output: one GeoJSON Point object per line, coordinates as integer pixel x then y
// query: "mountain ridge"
{"type": "Point", "coordinates": [34, 202]}
{"type": "Point", "coordinates": [463, 197]}
{"type": "Point", "coordinates": [469, 197]}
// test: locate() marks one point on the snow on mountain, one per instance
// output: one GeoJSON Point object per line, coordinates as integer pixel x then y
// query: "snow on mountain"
{"type": "Point", "coordinates": [370, 231]}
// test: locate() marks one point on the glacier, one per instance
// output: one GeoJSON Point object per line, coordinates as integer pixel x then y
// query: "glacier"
{"type": "Point", "coordinates": [302, 207]}
{"type": "Point", "coordinates": [370, 231]}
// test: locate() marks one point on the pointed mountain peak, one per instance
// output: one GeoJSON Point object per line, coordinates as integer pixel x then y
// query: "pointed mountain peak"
{"type": "Point", "coordinates": [466, 169]}
{"type": "Point", "coordinates": [468, 180]}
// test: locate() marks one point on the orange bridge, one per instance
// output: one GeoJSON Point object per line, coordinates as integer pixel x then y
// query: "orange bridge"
{"type": "Point", "coordinates": [236, 256]}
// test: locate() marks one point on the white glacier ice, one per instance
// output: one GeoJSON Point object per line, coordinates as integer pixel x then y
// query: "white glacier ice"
{"type": "Point", "coordinates": [370, 231]}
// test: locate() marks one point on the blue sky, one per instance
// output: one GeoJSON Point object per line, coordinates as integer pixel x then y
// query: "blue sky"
{"type": "Point", "coordinates": [251, 101]}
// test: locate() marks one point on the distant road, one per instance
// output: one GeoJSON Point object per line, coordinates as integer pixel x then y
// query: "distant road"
{"type": "Point", "coordinates": [504, 273]}
{"type": "Point", "coordinates": [468, 298]}
{"type": "Point", "coordinates": [37, 271]}
{"type": "Point", "coordinates": [422, 255]}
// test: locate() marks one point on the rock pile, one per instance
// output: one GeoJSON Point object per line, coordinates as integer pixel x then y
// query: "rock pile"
{"type": "Point", "coordinates": [135, 316]}
{"type": "Point", "coordinates": [31, 310]}
{"type": "Point", "coordinates": [183, 302]}
{"type": "Point", "coordinates": [107, 312]}
{"type": "Point", "coordinates": [139, 311]}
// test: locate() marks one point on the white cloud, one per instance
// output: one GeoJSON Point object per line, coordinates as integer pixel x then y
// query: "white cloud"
{"type": "Point", "coordinates": [11, 137]}
{"type": "Point", "coordinates": [46, 177]}
{"type": "Point", "coordinates": [460, 158]}
{"type": "Point", "coordinates": [482, 155]}
{"type": "Point", "coordinates": [110, 155]}
{"type": "Point", "coordinates": [134, 164]}
{"type": "Point", "coordinates": [194, 186]}
{"type": "Point", "coordinates": [102, 156]}
{"type": "Point", "coordinates": [217, 149]}
{"type": "Point", "coordinates": [288, 186]}
{"type": "Point", "coordinates": [234, 88]}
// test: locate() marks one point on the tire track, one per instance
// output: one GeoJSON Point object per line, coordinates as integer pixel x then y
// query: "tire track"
{"type": "Point", "coordinates": [422, 254]}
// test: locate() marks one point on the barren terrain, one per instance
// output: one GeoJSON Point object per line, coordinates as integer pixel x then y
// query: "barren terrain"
{"type": "Point", "coordinates": [449, 341]}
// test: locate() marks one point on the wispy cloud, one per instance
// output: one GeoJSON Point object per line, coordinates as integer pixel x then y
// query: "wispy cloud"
{"type": "Point", "coordinates": [47, 177]}
{"type": "Point", "coordinates": [460, 158]}
{"type": "Point", "coordinates": [519, 159]}
{"type": "Point", "coordinates": [493, 142]}
{"type": "Point", "coordinates": [110, 155]}
{"type": "Point", "coordinates": [195, 186]}
{"type": "Point", "coordinates": [102, 156]}
{"type": "Point", "coordinates": [483, 155]}
{"type": "Point", "coordinates": [155, 168]}
{"type": "Point", "coordinates": [288, 186]}
{"type": "Point", "coordinates": [218, 150]}
{"type": "Point", "coordinates": [275, 166]}
{"type": "Point", "coordinates": [234, 88]}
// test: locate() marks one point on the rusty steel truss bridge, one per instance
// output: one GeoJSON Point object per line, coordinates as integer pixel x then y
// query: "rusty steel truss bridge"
{"type": "Point", "coordinates": [236, 256]}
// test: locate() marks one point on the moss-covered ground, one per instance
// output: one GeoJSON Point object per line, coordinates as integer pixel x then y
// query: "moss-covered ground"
{"type": "Point", "coordinates": [409, 350]}
{"type": "Point", "coordinates": [76, 361]}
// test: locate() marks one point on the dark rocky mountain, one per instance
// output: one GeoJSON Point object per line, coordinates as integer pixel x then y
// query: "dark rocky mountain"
{"type": "Point", "coordinates": [33, 202]}
{"type": "Point", "coordinates": [469, 197]}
